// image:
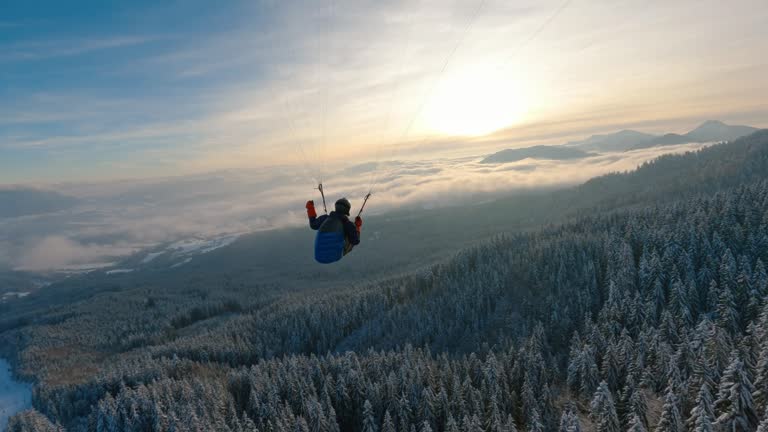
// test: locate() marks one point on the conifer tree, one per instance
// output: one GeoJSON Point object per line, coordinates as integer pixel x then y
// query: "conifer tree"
{"type": "Point", "coordinates": [702, 415]}
{"type": "Point", "coordinates": [569, 422]}
{"type": "Point", "coordinates": [670, 420]}
{"type": "Point", "coordinates": [636, 424]}
{"type": "Point", "coordinates": [535, 424]}
{"type": "Point", "coordinates": [369, 420]}
{"type": "Point", "coordinates": [734, 407]}
{"type": "Point", "coordinates": [451, 425]}
{"type": "Point", "coordinates": [763, 426]}
{"type": "Point", "coordinates": [388, 425]}
{"type": "Point", "coordinates": [760, 394]}
{"type": "Point", "coordinates": [727, 317]}
{"type": "Point", "coordinates": [603, 410]}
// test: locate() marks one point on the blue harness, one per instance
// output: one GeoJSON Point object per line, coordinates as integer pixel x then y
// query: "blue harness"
{"type": "Point", "coordinates": [330, 242]}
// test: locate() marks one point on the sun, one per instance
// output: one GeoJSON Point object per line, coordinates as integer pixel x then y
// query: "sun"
{"type": "Point", "coordinates": [475, 101]}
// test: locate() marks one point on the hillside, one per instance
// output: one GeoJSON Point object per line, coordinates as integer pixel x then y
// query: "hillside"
{"type": "Point", "coordinates": [647, 288]}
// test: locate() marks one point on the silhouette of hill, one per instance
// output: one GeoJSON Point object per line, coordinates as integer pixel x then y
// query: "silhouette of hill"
{"type": "Point", "coordinates": [536, 152]}
{"type": "Point", "coordinates": [619, 141]}
{"type": "Point", "coordinates": [714, 130]}
{"type": "Point", "coordinates": [709, 131]}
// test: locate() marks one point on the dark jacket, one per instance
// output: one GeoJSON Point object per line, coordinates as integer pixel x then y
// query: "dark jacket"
{"type": "Point", "coordinates": [350, 231]}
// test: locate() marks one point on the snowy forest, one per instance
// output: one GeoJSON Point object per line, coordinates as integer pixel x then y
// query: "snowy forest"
{"type": "Point", "coordinates": [646, 312]}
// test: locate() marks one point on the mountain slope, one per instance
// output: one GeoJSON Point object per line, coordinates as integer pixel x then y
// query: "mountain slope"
{"type": "Point", "coordinates": [599, 305]}
{"type": "Point", "coordinates": [282, 259]}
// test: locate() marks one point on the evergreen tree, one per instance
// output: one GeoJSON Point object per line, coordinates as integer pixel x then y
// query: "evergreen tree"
{"type": "Point", "coordinates": [670, 420]}
{"type": "Point", "coordinates": [727, 317]}
{"type": "Point", "coordinates": [763, 426]}
{"type": "Point", "coordinates": [369, 419]}
{"type": "Point", "coordinates": [637, 405]}
{"type": "Point", "coordinates": [760, 394]}
{"type": "Point", "coordinates": [702, 415]}
{"type": "Point", "coordinates": [636, 424]}
{"type": "Point", "coordinates": [388, 425]}
{"type": "Point", "coordinates": [535, 424]}
{"type": "Point", "coordinates": [451, 425]}
{"type": "Point", "coordinates": [603, 410]}
{"type": "Point", "coordinates": [569, 422]}
{"type": "Point", "coordinates": [734, 407]}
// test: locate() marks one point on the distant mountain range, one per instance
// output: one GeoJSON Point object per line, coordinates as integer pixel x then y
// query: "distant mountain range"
{"type": "Point", "coordinates": [709, 131]}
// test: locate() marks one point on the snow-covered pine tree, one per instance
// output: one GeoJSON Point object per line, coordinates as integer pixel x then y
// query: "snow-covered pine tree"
{"type": "Point", "coordinates": [603, 410]}
{"type": "Point", "coordinates": [702, 415]}
{"type": "Point", "coordinates": [760, 395]}
{"type": "Point", "coordinates": [569, 421]}
{"type": "Point", "coordinates": [734, 407]}
{"type": "Point", "coordinates": [636, 424]}
{"type": "Point", "coordinates": [388, 425]}
{"type": "Point", "coordinates": [670, 419]}
{"type": "Point", "coordinates": [763, 426]}
{"type": "Point", "coordinates": [369, 420]}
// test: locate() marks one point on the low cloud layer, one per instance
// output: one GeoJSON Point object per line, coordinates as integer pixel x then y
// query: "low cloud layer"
{"type": "Point", "coordinates": [118, 218]}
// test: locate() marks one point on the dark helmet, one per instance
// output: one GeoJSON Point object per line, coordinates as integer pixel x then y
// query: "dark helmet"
{"type": "Point", "coordinates": [343, 206]}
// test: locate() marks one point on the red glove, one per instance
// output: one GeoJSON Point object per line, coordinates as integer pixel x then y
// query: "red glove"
{"type": "Point", "coordinates": [311, 213]}
{"type": "Point", "coordinates": [358, 223]}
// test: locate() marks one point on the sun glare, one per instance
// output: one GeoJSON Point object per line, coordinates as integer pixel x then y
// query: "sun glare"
{"type": "Point", "coordinates": [475, 101]}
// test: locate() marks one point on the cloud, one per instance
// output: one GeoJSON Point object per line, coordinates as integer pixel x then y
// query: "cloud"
{"type": "Point", "coordinates": [119, 217]}
{"type": "Point", "coordinates": [60, 252]}
{"type": "Point", "coordinates": [349, 77]}
{"type": "Point", "coordinates": [64, 48]}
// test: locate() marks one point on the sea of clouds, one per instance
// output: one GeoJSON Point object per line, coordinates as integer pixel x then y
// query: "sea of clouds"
{"type": "Point", "coordinates": [118, 218]}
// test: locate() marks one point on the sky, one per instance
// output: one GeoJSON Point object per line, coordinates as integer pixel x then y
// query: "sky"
{"type": "Point", "coordinates": [98, 90]}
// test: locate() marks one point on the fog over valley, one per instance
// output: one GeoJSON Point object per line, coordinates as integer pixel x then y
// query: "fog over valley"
{"type": "Point", "coordinates": [108, 221]}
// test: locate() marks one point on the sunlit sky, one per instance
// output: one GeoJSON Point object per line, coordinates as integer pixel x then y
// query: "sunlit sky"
{"type": "Point", "coordinates": [100, 90]}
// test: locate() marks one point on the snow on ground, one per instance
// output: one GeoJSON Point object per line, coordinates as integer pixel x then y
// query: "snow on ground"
{"type": "Point", "coordinates": [118, 271]}
{"type": "Point", "coordinates": [179, 264]}
{"type": "Point", "coordinates": [13, 294]}
{"type": "Point", "coordinates": [151, 256]}
{"type": "Point", "coordinates": [14, 396]}
{"type": "Point", "coordinates": [201, 246]}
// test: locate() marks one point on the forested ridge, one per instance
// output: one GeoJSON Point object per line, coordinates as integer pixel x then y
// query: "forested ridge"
{"type": "Point", "coordinates": [649, 315]}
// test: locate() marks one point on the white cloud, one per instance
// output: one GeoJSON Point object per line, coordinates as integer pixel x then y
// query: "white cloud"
{"type": "Point", "coordinates": [60, 252]}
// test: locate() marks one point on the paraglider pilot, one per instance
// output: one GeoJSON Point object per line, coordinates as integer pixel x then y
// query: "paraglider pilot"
{"type": "Point", "coordinates": [336, 234]}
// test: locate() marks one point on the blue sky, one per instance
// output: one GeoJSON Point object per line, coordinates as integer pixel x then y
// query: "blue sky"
{"type": "Point", "coordinates": [79, 81]}
{"type": "Point", "coordinates": [99, 90]}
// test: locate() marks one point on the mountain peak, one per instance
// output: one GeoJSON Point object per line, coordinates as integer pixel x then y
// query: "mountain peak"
{"type": "Point", "coordinates": [715, 130]}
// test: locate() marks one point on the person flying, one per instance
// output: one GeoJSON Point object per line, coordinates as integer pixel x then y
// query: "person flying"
{"type": "Point", "coordinates": [336, 234]}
